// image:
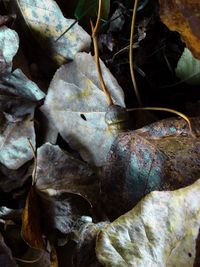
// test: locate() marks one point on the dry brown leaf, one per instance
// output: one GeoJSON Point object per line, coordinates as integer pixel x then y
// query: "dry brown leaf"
{"type": "Point", "coordinates": [65, 190]}
{"type": "Point", "coordinates": [160, 156]}
{"type": "Point", "coordinates": [183, 16]}
{"type": "Point", "coordinates": [31, 224]}
{"type": "Point", "coordinates": [54, 257]}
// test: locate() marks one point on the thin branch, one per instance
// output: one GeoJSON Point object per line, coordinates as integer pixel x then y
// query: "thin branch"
{"type": "Point", "coordinates": [35, 162]}
{"type": "Point", "coordinates": [96, 28]}
{"type": "Point", "coordinates": [131, 54]}
{"type": "Point", "coordinates": [96, 54]}
{"type": "Point", "coordinates": [168, 110]}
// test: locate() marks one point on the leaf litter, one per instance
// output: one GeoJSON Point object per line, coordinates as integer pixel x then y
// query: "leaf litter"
{"type": "Point", "coordinates": [92, 173]}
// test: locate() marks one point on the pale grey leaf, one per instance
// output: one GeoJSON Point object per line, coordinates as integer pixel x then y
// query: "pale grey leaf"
{"type": "Point", "coordinates": [9, 44]}
{"type": "Point", "coordinates": [77, 107]}
{"type": "Point", "coordinates": [14, 146]}
{"type": "Point", "coordinates": [160, 231]}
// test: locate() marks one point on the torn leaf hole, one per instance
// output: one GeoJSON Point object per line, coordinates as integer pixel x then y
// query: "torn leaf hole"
{"type": "Point", "coordinates": [83, 117]}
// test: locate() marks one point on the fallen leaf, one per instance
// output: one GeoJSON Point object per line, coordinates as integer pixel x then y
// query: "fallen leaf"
{"type": "Point", "coordinates": [10, 214]}
{"type": "Point", "coordinates": [77, 107]}
{"type": "Point", "coordinates": [46, 23]}
{"type": "Point", "coordinates": [31, 222]}
{"type": "Point", "coordinates": [18, 85]}
{"type": "Point", "coordinates": [183, 16]}
{"type": "Point", "coordinates": [188, 68]}
{"type": "Point", "coordinates": [13, 142]}
{"type": "Point", "coordinates": [161, 230]}
{"type": "Point", "coordinates": [86, 233]}
{"type": "Point", "coordinates": [13, 179]}
{"type": "Point", "coordinates": [160, 156]}
{"type": "Point", "coordinates": [6, 258]}
{"type": "Point", "coordinates": [18, 99]}
{"type": "Point", "coordinates": [197, 256]}
{"type": "Point", "coordinates": [9, 43]}
{"type": "Point", "coordinates": [35, 258]}
{"type": "Point", "coordinates": [54, 257]}
{"type": "Point", "coordinates": [48, 132]}
{"type": "Point", "coordinates": [58, 172]}
{"type": "Point", "coordinates": [65, 189]}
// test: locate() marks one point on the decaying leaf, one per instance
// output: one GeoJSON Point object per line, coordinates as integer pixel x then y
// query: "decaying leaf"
{"type": "Point", "coordinates": [18, 85]}
{"type": "Point", "coordinates": [54, 257]}
{"type": "Point", "coordinates": [183, 16]}
{"type": "Point", "coordinates": [161, 230]}
{"type": "Point", "coordinates": [13, 142]}
{"type": "Point", "coordinates": [9, 43]}
{"type": "Point", "coordinates": [18, 98]}
{"type": "Point", "coordinates": [13, 179]}
{"type": "Point", "coordinates": [35, 258]}
{"type": "Point", "coordinates": [31, 226]}
{"type": "Point", "coordinates": [46, 22]}
{"type": "Point", "coordinates": [86, 233]}
{"type": "Point", "coordinates": [188, 68]}
{"type": "Point", "coordinates": [10, 214]}
{"type": "Point", "coordinates": [48, 131]}
{"type": "Point", "coordinates": [6, 259]}
{"type": "Point", "coordinates": [65, 189]}
{"type": "Point", "coordinates": [77, 106]}
{"type": "Point", "coordinates": [160, 156]}
{"type": "Point", "coordinates": [58, 172]}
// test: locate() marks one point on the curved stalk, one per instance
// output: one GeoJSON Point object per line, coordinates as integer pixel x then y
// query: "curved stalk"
{"type": "Point", "coordinates": [96, 28]}
{"type": "Point", "coordinates": [168, 110]}
{"type": "Point", "coordinates": [96, 54]}
{"type": "Point", "coordinates": [131, 54]}
{"type": "Point", "coordinates": [35, 162]}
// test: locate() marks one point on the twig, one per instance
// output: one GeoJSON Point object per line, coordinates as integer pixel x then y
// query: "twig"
{"type": "Point", "coordinates": [96, 54]}
{"type": "Point", "coordinates": [96, 28]}
{"type": "Point", "coordinates": [131, 54]}
{"type": "Point", "coordinates": [168, 110]}
{"type": "Point", "coordinates": [35, 162]}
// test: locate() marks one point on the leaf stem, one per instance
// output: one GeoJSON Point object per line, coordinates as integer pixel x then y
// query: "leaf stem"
{"type": "Point", "coordinates": [35, 162]}
{"type": "Point", "coordinates": [96, 28]}
{"type": "Point", "coordinates": [183, 116]}
{"type": "Point", "coordinates": [96, 54]}
{"type": "Point", "coordinates": [131, 54]}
